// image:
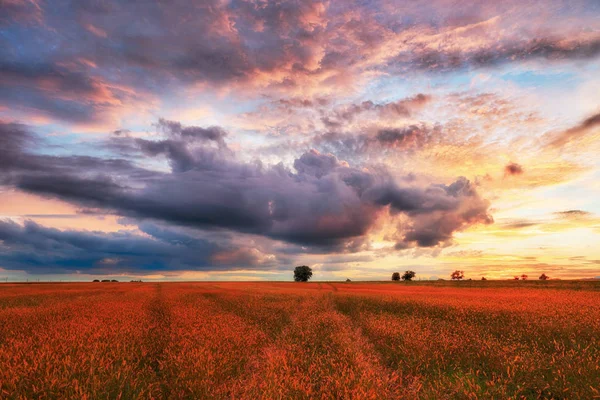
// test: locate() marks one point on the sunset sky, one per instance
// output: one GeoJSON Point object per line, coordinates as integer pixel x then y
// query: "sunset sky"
{"type": "Point", "coordinates": [234, 140]}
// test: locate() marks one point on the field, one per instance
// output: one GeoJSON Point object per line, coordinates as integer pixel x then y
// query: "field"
{"type": "Point", "coordinates": [461, 340]}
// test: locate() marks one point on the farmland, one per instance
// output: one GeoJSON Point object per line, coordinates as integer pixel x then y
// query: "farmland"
{"type": "Point", "coordinates": [300, 340]}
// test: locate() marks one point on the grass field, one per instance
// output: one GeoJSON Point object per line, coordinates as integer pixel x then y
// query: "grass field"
{"type": "Point", "coordinates": [464, 340]}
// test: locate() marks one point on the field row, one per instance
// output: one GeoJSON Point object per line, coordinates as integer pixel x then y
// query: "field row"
{"type": "Point", "coordinates": [270, 340]}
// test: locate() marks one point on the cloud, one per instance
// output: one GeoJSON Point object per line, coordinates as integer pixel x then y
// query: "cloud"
{"type": "Point", "coordinates": [20, 11]}
{"type": "Point", "coordinates": [344, 114]}
{"type": "Point", "coordinates": [513, 168]}
{"type": "Point", "coordinates": [316, 164]}
{"type": "Point", "coordinates": [573, 214]}
{"type": "Point", "coordinates": [38, 249]}
{"type": "Point", "coordinates": [519, 224]}
{"type": "Point", "coordinates": [69, 94]}
{"type": "Point", "coordinates": [82, 62]}
{"type": "Point", "coordinates": [324, 203]}
{"type": "Point", "coordinates": [193, 133]}
{"type": "Point", "coordinates": [435, 212]}
{"type": "Point", "coordinates": [412, 136]}
{"type": "Point", "coordinates": [549, 49]}
{"type": "Point", "coordinates": [576, 132]}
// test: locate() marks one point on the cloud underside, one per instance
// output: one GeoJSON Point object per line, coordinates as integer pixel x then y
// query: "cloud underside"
{"type": "Point", "coordinates": [118, 53]}
{"type": "Point", "coordinates": [323, 204]}
{"type": "Point", "coordinates": [365, 117]}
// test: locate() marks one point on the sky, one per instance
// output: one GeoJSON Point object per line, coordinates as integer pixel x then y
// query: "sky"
{"type": "Point", "coordinates": [234, 140]}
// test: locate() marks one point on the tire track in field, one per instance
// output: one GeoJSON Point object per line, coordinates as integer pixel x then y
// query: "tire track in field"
{"type": "Point", "coordinates": [318, 340]}
{"type": "Point", "coordinates": [264, 318]}
{"type": "Point", "coordinates": [335, 288]}
{"type": "Point", "coordinates": [263, 311]}
{"type": "Point", "coordinates": [399, 385]}
{"type": "Point", "coordinates": [157, 338]}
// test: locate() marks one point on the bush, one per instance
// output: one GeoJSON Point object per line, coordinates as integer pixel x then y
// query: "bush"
{"type": "Point", "coordinates": [302, 273]}
{"type": "Point", "coordinates": [544, 277]}
{"type": "Point", "coordinates": [396, 276]}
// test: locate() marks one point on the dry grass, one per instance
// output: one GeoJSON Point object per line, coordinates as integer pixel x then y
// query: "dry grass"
{"type": "Point", "coordinates": [296, 340]}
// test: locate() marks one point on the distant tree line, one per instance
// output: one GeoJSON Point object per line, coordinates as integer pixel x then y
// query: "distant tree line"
{"type": "Point", "coordinates": [304, 273]}
{"type": "Point", "coordinates": [457, 275]}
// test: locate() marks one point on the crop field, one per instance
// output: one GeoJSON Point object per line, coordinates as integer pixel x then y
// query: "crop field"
{"type": "Point", "coordinates": [500, 340]}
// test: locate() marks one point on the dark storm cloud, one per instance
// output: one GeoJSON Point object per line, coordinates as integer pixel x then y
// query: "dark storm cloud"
{"type": "Point", "coordinates": [175, 129]}
{"type": "Point", "coordinates": [315, 164]}
{"type": "Point", "coordinates": [14, 138]}
{"type": "Point", "coordinates": [91, 177]}
{"type": "Point", "coordinates": [325, 203]}
{"type": "Point", "coordinates": [435, 212]}
{"type": "Point", "coordinates": [177, 152]}
{"type": "Point", "coordinates": [184, 147]}
{"type": "Point", "coordinates": [37, 249]}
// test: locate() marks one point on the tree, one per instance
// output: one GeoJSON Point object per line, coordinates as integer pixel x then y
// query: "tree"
{"type": "Point", "coordinates": [302, 273]}
{"type": "Point", "coordinates": [524, 277]}
{"type": "Point", "coordinates": [516, 278]}
{"type": "Point", "coordinates": [544, 277]}
{"type": "Point", "coordinates": [396, 276]}
{"type": "Point", "coordinates": [457, 275]}
{"type": "Point", "coordinates": [483, 278]}
{"type": "Point", "coordinates": [408, 275]}
{"type": "Point", "coordinates": [348, 280]}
